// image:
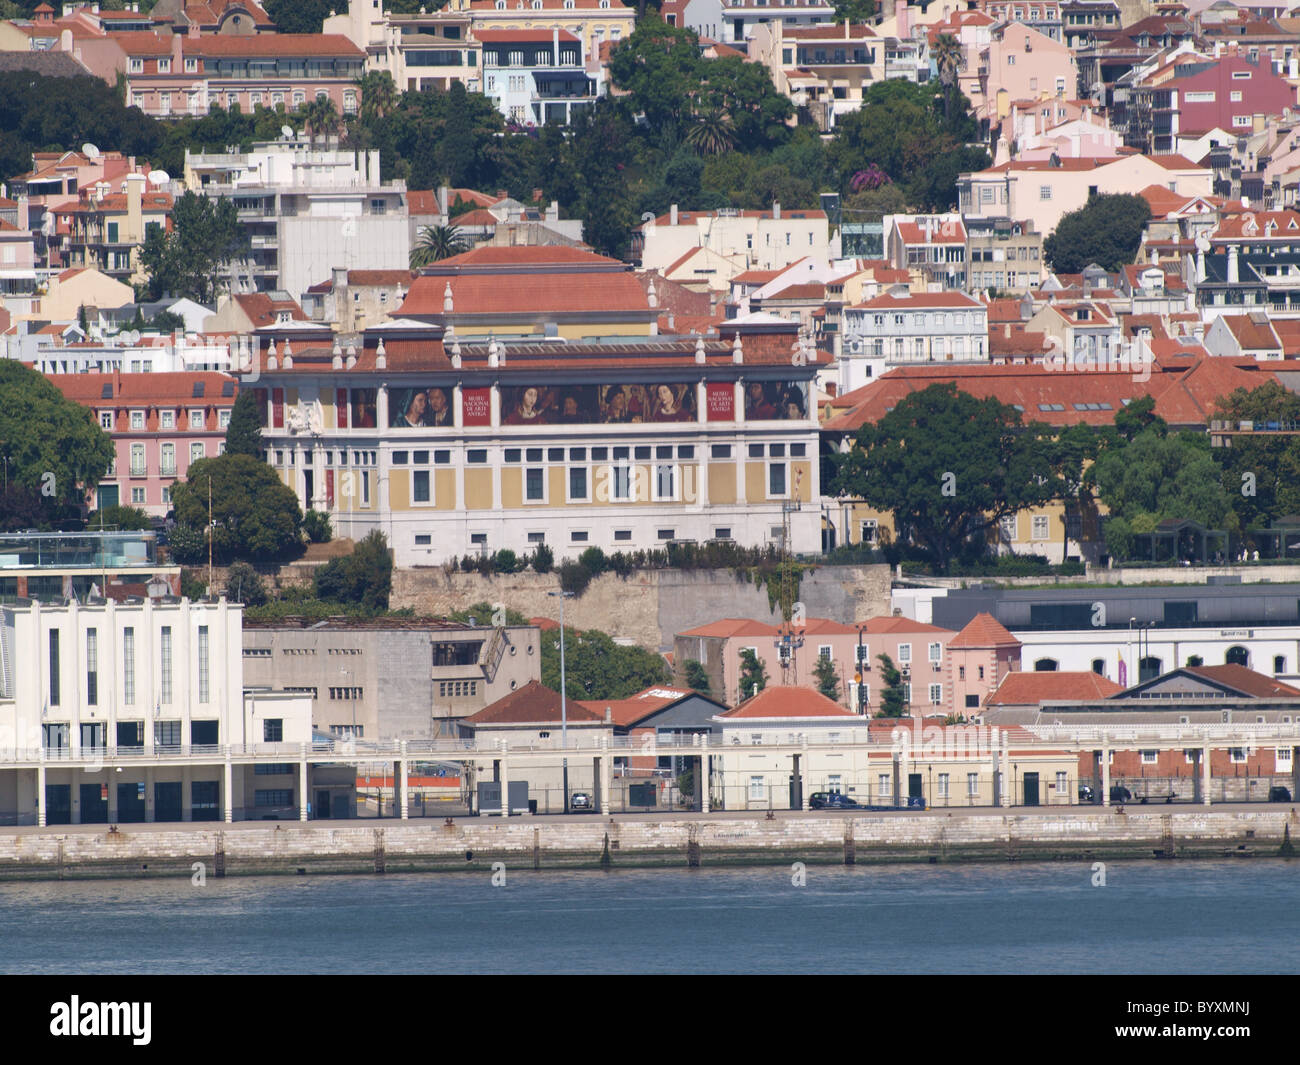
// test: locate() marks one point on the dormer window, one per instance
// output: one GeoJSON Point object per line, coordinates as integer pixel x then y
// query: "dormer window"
{"type": "Point", "coordinates": [283, 317]}
{"type": "Point", "coordinates": [164, 66]}
{"type": "Point", "coordinates": [501, 5]}
{"type": "Point", "coordinates": [191, 66]}
{"type": "Point", "coordinates": [135, 66]}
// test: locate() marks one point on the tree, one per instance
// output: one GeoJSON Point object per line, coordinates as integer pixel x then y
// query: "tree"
{"type": "Point", "coordinates": [543, 560]}
{"type": "Point", "coordinates": [52, 450]}
{"type": "Point", "coordinates": [1261, 471]}
{"type": "Point", "coordinates": [892, 701]}
{"type": "Point", "coordinates": [255, 515]}
{"type": "Point", "coordinates": [828, 681]}
{"type": "Point", "coordinates": [316, 527]}
{"type": "Point", "coordinates": [950, 58]}
{"type": "Point", "coordinates": [711, 133]}
{"type": "Point", "coordinates": [119, 517]}
{"type": "Point", "coordinates": [1073, 450]}
{"type": "Point", "coordinates": [595, 667]}
{"type": "Point", "coordinates": [244, 433]}
{"type": "Point", "coordinates": [1106, 231]}
{"type": "Point", "coordinates": [860, 11]}
{"type": "Point", "coordinates": [187, 260]}
{"type": "Point", "coordinates": [379, 96]}
{"type": "Point", "coordinates": [299, 16]}
{"type": "Point", "coordinates": [436, 243]}
{"type": "Point", "coordinates": [697, 677]}
{"type": "Point", "coordinates": [245, 585]}
{"type": "Point", "coordinates": [362, 579]}
{"type": "Point", "coordinates": [753, 674]}
{"type": "Point", "coordinates": [949, 467]}
{"type": "Point", "coordinates": [320, 118]}
{"type": "Point", "coordinates": [657, 65]}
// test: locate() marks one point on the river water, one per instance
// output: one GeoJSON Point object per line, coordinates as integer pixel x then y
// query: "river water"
{"type": "Point", "coordinates": [1147, 917]}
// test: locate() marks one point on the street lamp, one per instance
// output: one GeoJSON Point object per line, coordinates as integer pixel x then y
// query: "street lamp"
{"type": "Point", "coordinates": [862, 674]}
{"type": "Point", "coordinates": [564, 701]}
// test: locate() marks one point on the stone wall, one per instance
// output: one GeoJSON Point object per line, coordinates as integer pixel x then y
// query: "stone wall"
{"type": "Point", "coordinates": [521, 843]}
{"type": "Point", "coordinates": [648, 607]}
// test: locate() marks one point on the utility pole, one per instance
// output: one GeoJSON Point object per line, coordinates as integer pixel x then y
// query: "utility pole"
{"type": "Point", "coordinates": [211, 534]}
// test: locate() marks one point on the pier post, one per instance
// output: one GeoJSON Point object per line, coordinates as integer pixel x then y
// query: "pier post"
{"type": "Point", "coordinates": [606, 777]}
{"type": "Point", "coordinates": [302, 782]}
{"type": "Point", "coordinates": [703, 786]}
{"type": "Point", "coordinates": [40, 790]}
{"type": "Point", "coordinates": [504, 777]}
{"type": "Point", "coordinates": [1205, 774]}
{"type": "Point", "coordinates": [399, 778]}
{"type": "Point", "coordinates": [228, 790]}
{"type": "Point", "coordinates": [1105, 774]}
{"type": "Point", "coordinates": [1005, 798]}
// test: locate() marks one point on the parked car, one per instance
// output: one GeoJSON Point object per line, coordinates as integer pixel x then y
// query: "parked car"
{"type": "Point", "coordinates": [831, 800]}
{"type": "Point", "coordinates": [580, 802]}
{"type": "Point", "coordinates": [1279, 794]}
{"type": "Point", "coordinates": [1087, 793]}
{"type": "Point", "coordinates": [1119, 793]}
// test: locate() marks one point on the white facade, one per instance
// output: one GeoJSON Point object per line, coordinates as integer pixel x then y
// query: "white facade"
{"type": "Point", "coordinates": [898, 330]}
{"type": "Point", "coordinates": [307, 209]}
{"type": "Point", "coordinates": [757, 240]}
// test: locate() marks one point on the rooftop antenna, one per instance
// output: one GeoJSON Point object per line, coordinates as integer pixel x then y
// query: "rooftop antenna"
{"type": "Point", "coordinates": [90, 151]}
{"type": "Point", "coordinates": [159, 178]}
{"type": "Point", "coordinates": [287, 132]}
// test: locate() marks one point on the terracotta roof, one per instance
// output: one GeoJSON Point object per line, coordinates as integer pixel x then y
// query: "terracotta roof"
{"type": "Point", "coordinates": [754, 277]}
{"type": "Point", "coordinates": [554, 292]}
{"type": "Point", "coordinates": [521, 255]}
{"type": "Point", "coordinates": [478, 217]}
{"type": "Point", "coordinates": [1252, 332]}
{"type": "Point", "coordinates": [899, 625]}
{"type": "Point", "coordinates": [262, 310]}
{"type": "Point", "coordinates": [146, 388]}
{"type": "Point", "coordinates": [627, 712]}
{"type": "Point", "coordinates": [983, 631]}
{"type": "Point", "coordinates": [728, 627]}
{"type": "Point", "coordinates": [272, 44]}
{"type": "Point", "coordinates": [380, 277]}
{"type": "Point", "coordinates": [1244, 680]}
{"type": "Point", "coordinates": [527, 36]}
{"type": "Point", "coordinates": [422, 201]}
{"type": "Point", "coordinates": [533, 704]}
{"type": "Point", "coordinates": [947, 232]}
{"type": "Point", "coordinates": [787, 701]}
{"type": "Point", "coordinates": [920, 302]}
{"type": "Point", "coordinates": [1031, 688]}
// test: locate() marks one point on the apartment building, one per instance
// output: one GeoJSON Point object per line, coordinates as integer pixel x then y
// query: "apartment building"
{"type": "Point", "coordinates": [110, 222]}
{"type": "Point", "coordinates": [753, 240]}
{"type": "Point", "coordinates": [160, 424]}
{"type": "Point", "coordinates": [537, 76]}
{"type": "Point", "coordinates": [897, 328]}
{"type": "Point", "coordinates": [826, 68]}
{"type": "Point", "coordinates": [308, 209]}
{"type": "Point", "coordinates": [391, 678]}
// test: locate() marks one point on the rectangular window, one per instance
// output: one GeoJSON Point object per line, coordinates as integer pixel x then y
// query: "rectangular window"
{"type": "Point", "coordinates": [577, 483]}
{"type": "Point", "coordinates": [936, 653]}
{"type": "Point", "coordinates": [92, 667]}
{"type": "Point", "coordinates": [273, 730]}
{"type": "Point", "coordinates": [720, 451]}
{"type": "Point", "coordinates": [943, 785]}
{"type": "Point", "coordinates": [1282, 758]}
{"type": "Point", "coordinates": [167, 465]}
{"type": "Point", "coordinates": [138, 467]}
{"type": "Point", "coordinates": [972, 784]}
{"type": "Point", "coordinates": [203, 664]}
{"type": "Point", "coordinates": [1150, 757]}
{"type": "Point", "coordinates": [535, 484]}
{"type": "Point", "coordinates": [776, 479]}
{"type": "Point", "coordinates": [757, 789]}
{"type": "Point", "coordinates": [665, 482]}
{"type": "Point", "coordinates": [274, 769]}
{"type": "Point", "coordinates": [196, 452]}
{"type": "Point", "coordinates": [272, 796]}
{"type": "Point", "coordinates": [54, 667]}
{"type": "Point", "coordinates": [167, 734]}
{"type": "Point", "coordinates": [936, 694]}
{"type": "Point", "coordinates": [128, 666]}
{"type": "Point", "coordinates": [1041, 529]}
{"type": "Point", "coordinates": [165, 657]}
{"type": "Point", "coordinates": [420, 486]}
{"type": "Point", "coordinates": [622, 534]}
{"type": "Point", "coordinates": [885, 785]}
{"type": "Point", "coordinates": [904, 653]}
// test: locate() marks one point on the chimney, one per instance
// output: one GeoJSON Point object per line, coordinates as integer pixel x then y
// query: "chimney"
{"type": "Point", "coordinates": [381, 356]}
{"type": "Point", "coordinates": [609, 715]}
{"type": "Point", "coordinates": [901, 14]}
{"type": "Point", "coordinates": [1232, 265]}
{"type": "Point", "coordinates": [672, 215]}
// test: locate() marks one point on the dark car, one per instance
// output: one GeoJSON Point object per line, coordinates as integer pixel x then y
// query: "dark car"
{"type": "Point", "coordinates": [580, 802]}
{"type": "Point", "coordinates": [832, 800]}
{"type": "Point", "coordinates": [1279, 794]}
{"type": "Point", "coordinates": [1119, 793]}
{"type": "Point", "coordinates": [1087, 794]}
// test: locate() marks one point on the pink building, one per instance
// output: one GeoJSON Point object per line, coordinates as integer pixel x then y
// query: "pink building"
{"type": "Point", "coordinates": [981, 656]}
{"type": "Point", "coordinates": [1227, 96]}
{"type": "Point", "coordinates": [1022, 64]}
{"type": "Point", "coordinates": [160, 424]}
{"type": "Point", "coordinates": [189, 74]}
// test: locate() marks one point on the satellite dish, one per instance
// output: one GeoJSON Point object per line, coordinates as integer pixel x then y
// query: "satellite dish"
{"type": "Point", "coordinates": [89, 151]}
{"type": "Point", "coordinates": [287, 132]}
{"type": "Point", "coordinates": [158, 178]}
{"type": "Point", "coordinates": [133, 337]}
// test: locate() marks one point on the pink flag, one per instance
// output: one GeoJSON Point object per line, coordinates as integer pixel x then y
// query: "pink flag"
{"type": "Point", "coordinates": [1123, 673]}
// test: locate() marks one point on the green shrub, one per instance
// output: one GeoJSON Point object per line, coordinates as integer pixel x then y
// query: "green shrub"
{"type": "Point", "coordinates": [543, 559]}
{"type": "Point", "coordinates": [316, 524]}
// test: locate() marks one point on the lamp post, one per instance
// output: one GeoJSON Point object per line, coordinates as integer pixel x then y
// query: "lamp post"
{"type": "Point", "coordinates": [564, 701]}
{"type": "Point", "coordinates": [862, 675]}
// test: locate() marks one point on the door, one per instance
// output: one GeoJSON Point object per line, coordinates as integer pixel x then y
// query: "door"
{"type": "Point", "coordinates": [796, 798]}
{"type": "Point", "coordinates": [1031, 789]}
{"type": "Point", "coordinates": [322, 809]}
{"type": "Point", "coordinates": [58, 804]}
{"type": "Point", "coordinates": [167, 801]}
{"type": "Point", "coordinates": [914, 788]}
{"type": "Point", "coordinates": [130, 803]}
{"type": "Point", "coordinates": [94, 804]}
{"type": "Point", "coordinates": [107, 496]}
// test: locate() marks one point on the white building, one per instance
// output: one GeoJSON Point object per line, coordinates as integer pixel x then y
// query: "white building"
{"type": "Point", "coordinates": [734, 21]}
{"type": "Point", "coordinates": [538, 76]}
{"type": "Point", "coordinates": [899, 329]}
{"type": "Point", "coordinates": [753, 240]}
{"type": "Point", "coordinates": [132, 711]}
{"type": "Point", "coordinates": [307, 210]}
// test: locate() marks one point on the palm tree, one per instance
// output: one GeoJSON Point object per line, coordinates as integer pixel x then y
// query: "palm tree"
{"type": "Point", "coordinates": [378, 95]}
{"type": "Point", "coordinates": [949, 58]}
{"type": "Point", "coordinates": [320, 117]}
{"type": "Point", "coordinates": [436, 243]}
{"type": "Point", "coordinates": [711, 133]}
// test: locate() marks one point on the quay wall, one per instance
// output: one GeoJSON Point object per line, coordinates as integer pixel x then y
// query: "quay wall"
{"type": "Point", "coordinates": [527, 843]}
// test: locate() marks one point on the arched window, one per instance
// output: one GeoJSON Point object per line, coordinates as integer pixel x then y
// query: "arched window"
{"type": "Point", "coordinates": [1149, 668]}
{"type": "Point", "coordinates": [1279, 663]}
{"type": "Point", "coordinates": [1099, 666]}
{"type": "Point", "coordinates": [1045, 665]}
{"type": "Point", "coordinates": [1237, 656]}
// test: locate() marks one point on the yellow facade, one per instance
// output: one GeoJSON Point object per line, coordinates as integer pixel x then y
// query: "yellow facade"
{"type": "Point", "coordinates": [478, 489]}
{"type": "Point", "coordinates": [722, 482]}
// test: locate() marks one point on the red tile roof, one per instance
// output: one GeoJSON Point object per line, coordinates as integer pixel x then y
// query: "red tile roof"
{"type": "Point", "coordinates": [899, 625]}
{"type": "Point", "coordinates": [787, 701]}
{"type": "Point", "coordinates": [1252, 333]}
{"type": "Point", "coordinates": [1025, 688]}
{"type": "Point", "coordinates": [272, 44]}
{"type": "Point", "coordinates": [921, 302]}
{"type": "Point", "coordinates": [557, 292]}
{"type": "Point", "coordinates": [526, 36]}
{"type": "Point", "coordinates": [729, 627]}
{"type": "Point", "coordinates": [262, 310]}
{"type": "Point", "coordinates": [1244, 680]}
{"type": "Point", "coordinates": [533, 704]}
{"type": "Point", "coordinates": [380, 277]}
{"type": "Point", "coordinates": [981, 632]}
{"type": "Point", "coordinates": [947, 232]}
{"type": "Point", "coordinates": [627, 712]}
{"type": "Point", "coordinates": [521, 256]}
{"type": "Point", "coordinates": [146, 388]}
